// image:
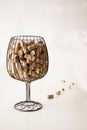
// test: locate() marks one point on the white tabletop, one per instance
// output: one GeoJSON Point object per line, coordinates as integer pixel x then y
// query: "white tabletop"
{"type": "Point", "coordinates": [65, 112]}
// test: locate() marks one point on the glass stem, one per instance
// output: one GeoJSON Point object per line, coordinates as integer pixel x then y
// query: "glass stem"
{"type": "Point", "coordinates": [28, 91]}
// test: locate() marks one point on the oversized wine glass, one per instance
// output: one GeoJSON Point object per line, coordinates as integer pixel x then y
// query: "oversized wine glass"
{"type": "Point", "coordinates": [27, 60]}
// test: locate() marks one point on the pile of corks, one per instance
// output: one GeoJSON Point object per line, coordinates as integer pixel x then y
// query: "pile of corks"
{"type": "Point", "coordinates": [27, 61]}
{"type": "Point", "coordinates": [59, 92]}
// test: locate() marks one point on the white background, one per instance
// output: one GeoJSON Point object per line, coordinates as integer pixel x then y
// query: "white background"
{"type": "Point", "coordinates": [63, 24]}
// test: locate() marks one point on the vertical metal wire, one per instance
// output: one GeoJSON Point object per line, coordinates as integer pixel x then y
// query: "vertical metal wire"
{"type": "Point", "coordinates": [28, 98]}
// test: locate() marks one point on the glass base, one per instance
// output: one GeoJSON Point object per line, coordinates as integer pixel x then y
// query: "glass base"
{"type": "Point", "coordinates": [28, 106]}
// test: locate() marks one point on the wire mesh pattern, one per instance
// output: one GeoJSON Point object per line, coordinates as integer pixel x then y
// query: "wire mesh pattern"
{"type": "Point", "coordinates": [27, 58]}
{"type": "Point", "coordinates": [26, 38]}
{"type": "Point", "coordinates": [28, 106]}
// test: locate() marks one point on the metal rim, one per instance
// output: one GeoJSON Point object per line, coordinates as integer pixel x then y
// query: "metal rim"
{"type": "Point", "coordinates": [28, 106]}
{"type": "Point", "coordinates": [18, 36]}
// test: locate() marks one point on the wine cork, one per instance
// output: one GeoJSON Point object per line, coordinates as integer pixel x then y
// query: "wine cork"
{"type": "Point", "coordinates": [32, 52]}
{"type": "Point", "coordinates": [58, 92]}
{"type": "Point", "coordinates": [20, 53]}
{"type": "Point", "coordinates": [41, 61]}
{"type": "Point", "coordinates": [14, 70]}
{"type": "Point", "coordinates": [50, 96]}
{"type": "Point", "coordinates": [72, 83]}
{"type": "Point", "coordinates": [32, 58]}
{"type": "Point", "coordinates": [24, 47]}
{"type": "Point", "coordinates": [30, 72]}
{"type": "Point", "coordinates": [37, 70]}
{"type": "Point", "coordinates": [17, 46]}
{"type": "Point", "coordinates": [31, 47]}
{"type": "Point", "coordinates": [63, 81]}
{"type": "Point", "coordinates": [63, 89]}
{"type": "Point", "coordinates": [24, 65]}
{"type": "Point", "coordinates": [34, 74]}
{"type": "Point", "coordinates": [28, 43]}
{"type": "Point", "coordinates": [20, 71]}
{"type": "Point", "coordinates": [38, 51]}
{"type": "Point", "coordinates": [27, 56]}
{"type": "Point", "coordinates": [28, 61]}
{"type": "Point", "coordinates": [37, 60]}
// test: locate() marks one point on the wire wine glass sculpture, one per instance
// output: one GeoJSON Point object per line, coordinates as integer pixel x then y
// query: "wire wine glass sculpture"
{"type": "Point", "coordinates": [27, 61]}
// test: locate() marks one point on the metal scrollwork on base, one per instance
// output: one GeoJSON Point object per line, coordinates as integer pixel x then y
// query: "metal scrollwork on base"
{"type": "Point", "coordinates": [28, 106]}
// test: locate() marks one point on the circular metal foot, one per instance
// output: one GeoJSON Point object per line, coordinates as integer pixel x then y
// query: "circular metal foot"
{"type": "Point", "coordinates": [28, 106]}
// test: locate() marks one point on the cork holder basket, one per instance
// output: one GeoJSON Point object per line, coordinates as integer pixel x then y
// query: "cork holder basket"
{"type": "Point", "coordinates": [27, 61]}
